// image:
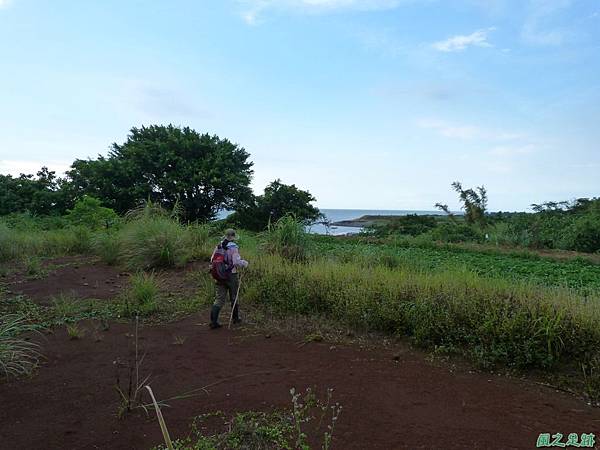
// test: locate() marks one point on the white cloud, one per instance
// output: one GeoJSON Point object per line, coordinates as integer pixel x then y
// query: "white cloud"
{"type": "Point", "coordinates": [17, 167]}
{"type": "Point", "coordinates": [461, 42]}
{"type": "Point", "coordinates": [253, 9]}
{"type": "Point", "coordinates": [534, 32]}
{"type": "Point", "coordinates": [5, 3]}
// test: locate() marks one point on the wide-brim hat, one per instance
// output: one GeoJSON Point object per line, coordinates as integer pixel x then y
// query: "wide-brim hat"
{"type": "Point", "coordinates": [230, 234]}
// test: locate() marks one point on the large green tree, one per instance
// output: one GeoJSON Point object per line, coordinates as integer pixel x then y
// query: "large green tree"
{"type": "Point", "coordinates": [277, 201]}
{"type": "Point", "coordinates": [43, 194]}
{"type": "Point", "coordinates": [168, 165]}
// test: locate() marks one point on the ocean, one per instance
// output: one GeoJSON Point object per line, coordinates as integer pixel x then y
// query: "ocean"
{"type": "Point", "coordinates": [335, 215]}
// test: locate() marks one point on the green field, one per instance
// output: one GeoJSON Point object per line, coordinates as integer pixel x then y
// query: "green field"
{"type": "Point", "coordinates": [575, 273]}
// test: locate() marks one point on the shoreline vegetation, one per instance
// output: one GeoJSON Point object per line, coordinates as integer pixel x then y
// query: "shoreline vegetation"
{"type": "Point", "coordinates": [369, 220]}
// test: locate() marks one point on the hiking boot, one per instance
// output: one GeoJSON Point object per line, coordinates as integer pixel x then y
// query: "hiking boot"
{"type": "Point", "coordinates": [214, 317]}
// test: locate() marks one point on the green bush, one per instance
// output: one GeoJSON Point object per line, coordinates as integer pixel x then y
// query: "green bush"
{"type": "Point", "coordinates": [409, 225]}
{"type": "Point", "coordinates": [154, 243]}
{"type": "Point", "coordinates": [89, 212]}
{"type": "Point", "coordinates": [448, 232]}
{"type": "Point", "coordinates": [583, 235]}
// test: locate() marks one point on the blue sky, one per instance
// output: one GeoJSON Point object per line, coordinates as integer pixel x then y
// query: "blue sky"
{"type": "Point", "coordinates": [367, 104]}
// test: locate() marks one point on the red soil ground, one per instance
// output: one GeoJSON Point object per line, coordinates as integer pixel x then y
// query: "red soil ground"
{"type": "Point", "coordinates": [72, 276]}
{"type": "Point", "coordinates": [70, 403]}
{"type": "Point", "coordinates": [391, 398]}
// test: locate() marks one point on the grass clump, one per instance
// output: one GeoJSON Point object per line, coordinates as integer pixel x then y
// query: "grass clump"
{"type": "Point", "coordinates": [154, 242]}
{"type": "Point", "coordinates": [288, 238]}
{"type": "Point", "coordinates": [18, 356]}
{"type": "Point", "coordinates": [74, 332]}
{"type": "Point", "coordinates": [33, 266]}
{"type": "Point", "coordinates": [142, 296]}
{"type": "Point", "coordinates": [108, 247]}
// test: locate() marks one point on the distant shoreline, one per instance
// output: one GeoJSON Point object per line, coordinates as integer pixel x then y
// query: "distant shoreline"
{"type": "Point", "coordinates": [364, 221]}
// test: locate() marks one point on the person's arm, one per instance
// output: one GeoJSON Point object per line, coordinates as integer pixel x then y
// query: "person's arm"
{"type": "Point", "coordinates": [237, 259]}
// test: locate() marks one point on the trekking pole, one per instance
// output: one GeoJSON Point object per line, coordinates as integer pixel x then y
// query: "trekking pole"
{"type": "Point", "coordinates": [237, 294]}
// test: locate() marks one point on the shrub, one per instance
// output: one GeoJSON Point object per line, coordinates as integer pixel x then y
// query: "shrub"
{"type": "Point", "coordinates": [583, 235]}
{"type": "Point", "coordinates": [448, 232]}
{"type": "Point", "coordinates": [410, 225]}
{"type": "Point", "coordinates": [154, 242]}
{"type": "Point", "coordinates": [89, 212]}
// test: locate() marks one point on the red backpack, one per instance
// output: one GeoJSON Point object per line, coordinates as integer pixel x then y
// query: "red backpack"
{"type": "Point", "coordinates": [220, 266]}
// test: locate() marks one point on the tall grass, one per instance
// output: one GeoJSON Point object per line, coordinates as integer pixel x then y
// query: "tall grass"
{"type": "Point", "coordinates": [142, 296]}
{"type": "Point", "coordinates": [200, 240]}
{"type": "Point", "coordinates": [17, 355]}
{"type": "Point", "coordinates": [496, 322]}
{"type": "Point", "coordinates": [288, 238]}
{"type": "Point", "coordinates": [15, 243]}
{"type": "Point", "coordinates": [154, 242]}
{"type": "Point", "coordinates": [107, 246]}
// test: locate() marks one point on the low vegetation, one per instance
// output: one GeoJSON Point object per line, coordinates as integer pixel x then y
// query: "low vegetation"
{"type": "Point", "coordinates": [308, 423]}
{"type": "Point", "coordinates": [18, 355]}
{"type": "Point", "coordinates": [568, 225]}
{"type": "Point", "coordinates": [142, 296]}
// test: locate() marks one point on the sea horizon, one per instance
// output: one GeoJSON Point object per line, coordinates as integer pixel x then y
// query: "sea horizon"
{"type": "Point", "coordinates": [336, 215]}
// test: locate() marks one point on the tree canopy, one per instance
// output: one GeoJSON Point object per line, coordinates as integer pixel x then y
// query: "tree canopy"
{"type": "Point", "coordinates": [40, 195]}
{"type": "Point", "coordinates": [277, 201]}
{"type": "Point", "coordinates": [168, 165]}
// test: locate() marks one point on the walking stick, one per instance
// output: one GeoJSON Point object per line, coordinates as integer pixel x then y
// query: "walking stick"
{"type": "Point", "coordinates": [237, 294]}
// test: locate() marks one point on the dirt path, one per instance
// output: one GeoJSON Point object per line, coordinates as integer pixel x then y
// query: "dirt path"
{"type": "Point", "coordinates": [405, 404]}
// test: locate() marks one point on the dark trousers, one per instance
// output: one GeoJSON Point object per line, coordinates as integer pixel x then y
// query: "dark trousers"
{"type": "Point", "coordinates": [225, 290]}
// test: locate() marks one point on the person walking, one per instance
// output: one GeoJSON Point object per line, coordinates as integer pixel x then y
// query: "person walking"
{"type": "Point", "coordinates": [225, 263]}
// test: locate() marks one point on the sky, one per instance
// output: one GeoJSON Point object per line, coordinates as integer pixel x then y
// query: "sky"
{"type": "Point", "coordinates": [368, 104]}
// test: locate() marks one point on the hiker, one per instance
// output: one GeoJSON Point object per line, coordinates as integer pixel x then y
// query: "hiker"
{"type": "Point", "coordinates": [224, 264]}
